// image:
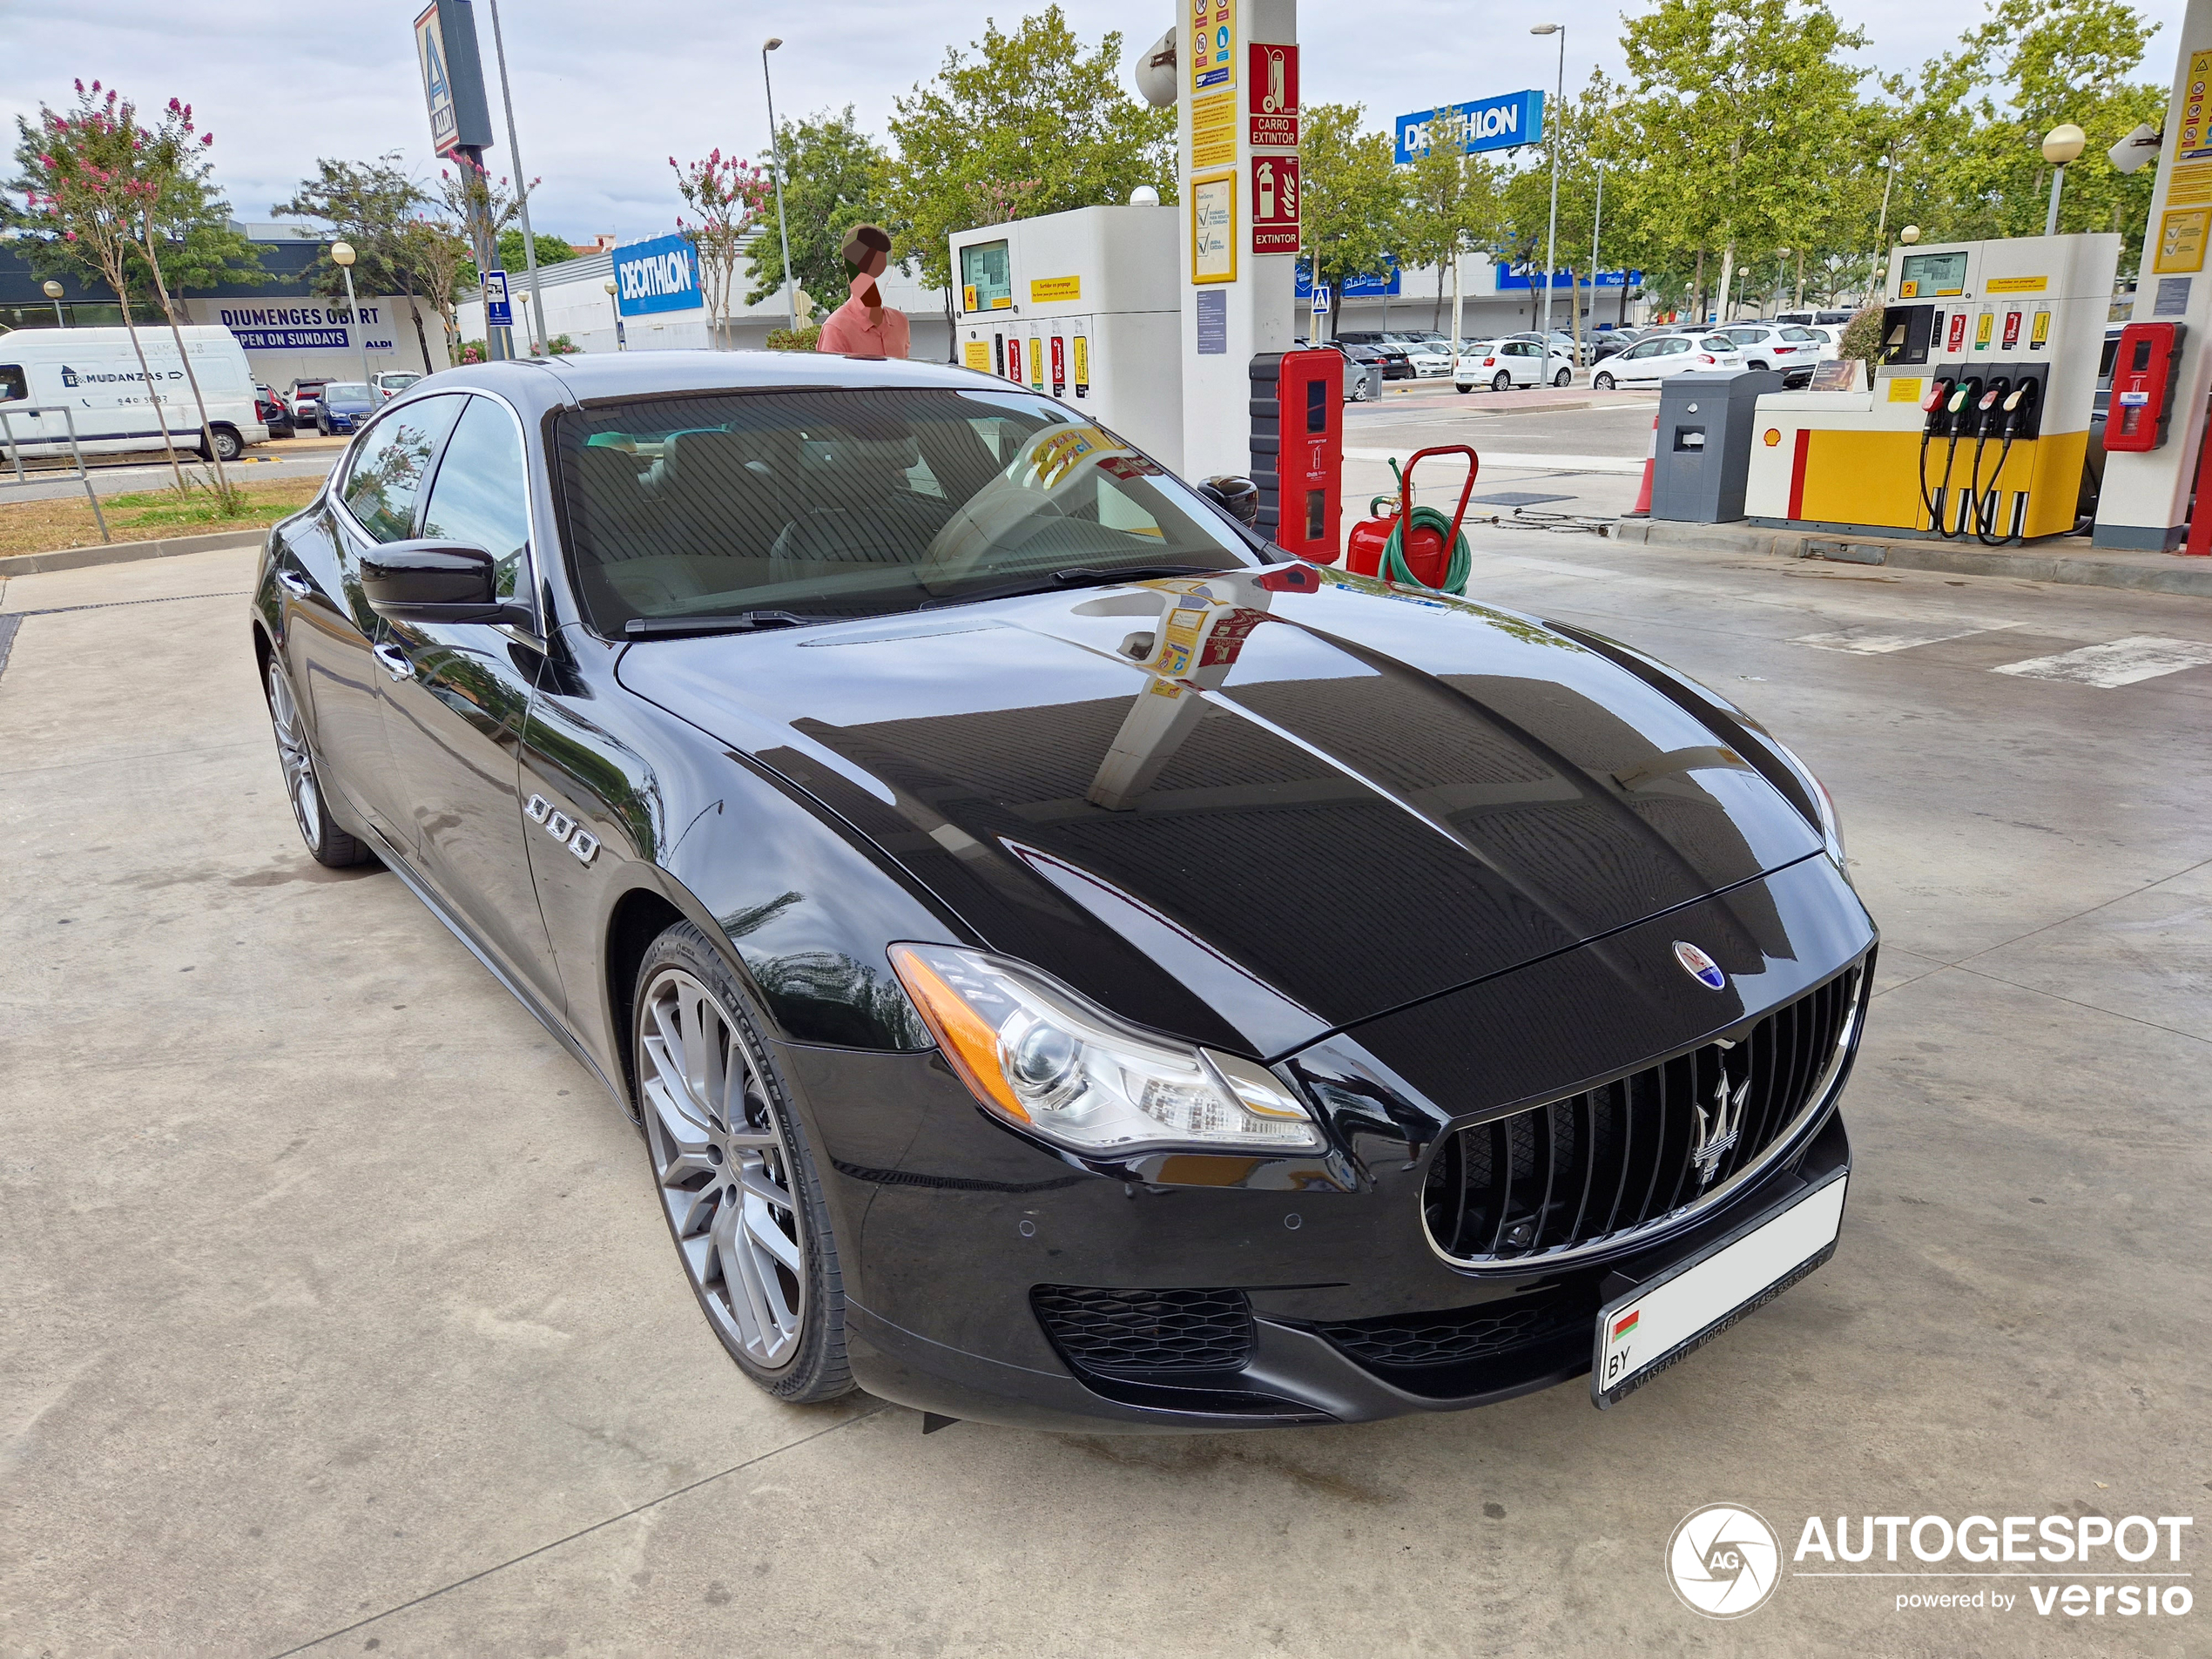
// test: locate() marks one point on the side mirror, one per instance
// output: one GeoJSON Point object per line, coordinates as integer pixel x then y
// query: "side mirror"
{"type": "Point", "coordinates": [434, 582]}
{"type": "Point", "coordinates": [1238, 496]}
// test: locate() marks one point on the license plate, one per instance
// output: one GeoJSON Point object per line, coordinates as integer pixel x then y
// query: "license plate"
{"type": "Point", "coordinates": [1641, 1334]}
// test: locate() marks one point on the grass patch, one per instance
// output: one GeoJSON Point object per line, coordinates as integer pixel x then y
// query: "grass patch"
{"type": "Point", "coordinates": [146, 515]}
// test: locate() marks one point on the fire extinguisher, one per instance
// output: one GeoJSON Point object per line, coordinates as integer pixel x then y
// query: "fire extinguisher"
{"type": "Point", "coordinates": [1417, 547]}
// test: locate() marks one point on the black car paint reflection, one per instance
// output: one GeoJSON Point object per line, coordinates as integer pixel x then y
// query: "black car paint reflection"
{"type": "Point", "coordinates": [1423, 855]}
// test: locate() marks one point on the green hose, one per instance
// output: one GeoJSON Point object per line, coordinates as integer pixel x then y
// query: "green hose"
{"type": "Point", "coordinates": [1394, 568]}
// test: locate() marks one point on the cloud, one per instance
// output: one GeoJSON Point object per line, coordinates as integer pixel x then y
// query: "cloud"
{"type": "Point", "coordinates": [605, 94]}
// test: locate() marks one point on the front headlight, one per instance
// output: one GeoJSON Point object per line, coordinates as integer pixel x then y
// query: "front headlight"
{"type": "Point", "coordinates": [1038, 1054]}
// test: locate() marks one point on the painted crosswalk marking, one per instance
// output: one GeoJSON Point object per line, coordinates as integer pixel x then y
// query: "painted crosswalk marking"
{"type": "Point", "coordinates": [1873, 640]}
{"type": "Point", "coordinates": [2121, 662]}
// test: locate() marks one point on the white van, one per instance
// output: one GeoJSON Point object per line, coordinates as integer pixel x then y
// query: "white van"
{"type": "Point", "coordinates": [95, 374]}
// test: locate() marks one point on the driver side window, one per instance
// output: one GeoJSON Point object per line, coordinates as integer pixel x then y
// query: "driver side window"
{"type": "Point", "coordinates": [482, 496]}
{"type": "Point", "coordinates": [385, 476]}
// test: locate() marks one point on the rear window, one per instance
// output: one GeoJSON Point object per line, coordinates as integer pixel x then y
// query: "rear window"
{"type": "Point", "coordinates": [1799, 336]}
{"type": "Point", "coordinates": [859, 504]}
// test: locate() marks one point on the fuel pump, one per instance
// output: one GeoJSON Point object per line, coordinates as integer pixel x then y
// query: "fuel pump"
{"type": "Point", "coordinates": [1989, 349]}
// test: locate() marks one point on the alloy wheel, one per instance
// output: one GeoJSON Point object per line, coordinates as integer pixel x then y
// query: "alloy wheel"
{"type": "Point", "coordinates": [723, 1169]}
{"type": "Point", "coordinates": [298, 765]}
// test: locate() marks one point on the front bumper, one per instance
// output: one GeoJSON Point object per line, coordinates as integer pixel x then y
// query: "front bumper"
{"type": "Point", "coordinates": [957, 1235]}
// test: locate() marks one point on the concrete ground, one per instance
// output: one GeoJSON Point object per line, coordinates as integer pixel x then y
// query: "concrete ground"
{"type": "Point", "coordinates": [337, 1315]}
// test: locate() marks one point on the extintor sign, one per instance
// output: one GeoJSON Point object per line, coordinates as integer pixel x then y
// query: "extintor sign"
{"type": "Point", "coordinates": [1275, 204]}
{"type": "Point", "coordinates": [1274, 84]}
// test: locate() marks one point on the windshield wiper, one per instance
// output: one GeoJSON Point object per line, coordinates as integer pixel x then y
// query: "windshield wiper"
{"type": "Point", "coordinates": [1082, 576]}
{"type": "Point", "coordinates": [740, 622]}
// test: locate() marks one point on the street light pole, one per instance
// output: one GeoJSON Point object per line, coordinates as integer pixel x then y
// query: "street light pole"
{"type": "Point", "coordinates": [621, 343]}
{"type": "Point", "coordinates": [2060, 146]}
{"type": "Point", "coordinates": [341, 255]}
{"type": "Point", "coordinates": [776, 162]}
{"type": "Point", "coordinates": [54, 293]}
{"type": "Point", "coordinates": [1551, 236]}
{"type": "Point", "coordinates": [521, 182]}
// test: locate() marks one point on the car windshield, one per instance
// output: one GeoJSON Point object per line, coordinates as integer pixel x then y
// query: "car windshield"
{"type": "Point", "coordinates": [861, 502]}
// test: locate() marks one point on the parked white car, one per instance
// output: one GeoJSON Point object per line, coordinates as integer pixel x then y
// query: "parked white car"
{"type": "Point", "coordinates": [1766, 345]}
{"type": "Point", "coordinates": [1430, 361]}
{"type": "Point", "coordinates": [1664, 354]}
{"type": "Point", "coordinates": [1507, 363]}
{"type": "Point", "coordinates": [95, 373]}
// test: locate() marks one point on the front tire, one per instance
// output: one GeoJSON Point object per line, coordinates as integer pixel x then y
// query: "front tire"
{"type": "Point", "coordinates": [1602, 381]}
{"type": "Point", "coordinates": [303, 786]}
{"type": "Point", "coordinates": [736, 1176]}
{"type": "Point", "coordinates": [1565, 377]}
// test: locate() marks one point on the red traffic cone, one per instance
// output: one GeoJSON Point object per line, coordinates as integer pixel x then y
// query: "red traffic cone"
{"type": "Point", "coordinates": [1643, 508]}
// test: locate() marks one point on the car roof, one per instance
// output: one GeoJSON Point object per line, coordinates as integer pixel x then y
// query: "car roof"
{"type": "Point", "coordinates": [535, 384]}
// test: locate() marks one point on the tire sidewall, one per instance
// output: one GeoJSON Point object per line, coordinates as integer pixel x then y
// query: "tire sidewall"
{"type": "Point", "coordinates": [818, 1370]}
{"type": "Point", "coordinates": [1602, 383]}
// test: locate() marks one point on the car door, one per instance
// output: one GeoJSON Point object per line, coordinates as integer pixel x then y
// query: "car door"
{"type": "Point", "coordinates": [456, 698]}
{"type": "Point", "coordinates": [329, 632]}
{"type": "Point", "coordinates": [375, 499]}
{"type": "Point", "coordinates": [1527, 363]}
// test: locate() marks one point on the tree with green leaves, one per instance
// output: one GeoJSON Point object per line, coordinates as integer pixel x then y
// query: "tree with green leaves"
{"type": "Point", "coordinates": [1735, 109]}
{"type": "Point", "coordinates": [834, 180]}
{"type": "Point", "coordinates": [725, 197]}
{"type": "Point", "coordinates": [1973, 121]}
{"type": "Point", "coordinates": [1032, 124]}
{"type": "Point", "coordinates": [373, 205]}
{"type": "Point", "coordinates": [1350, 198]}
{"type": "Point", "coordinates": [1450, 204]}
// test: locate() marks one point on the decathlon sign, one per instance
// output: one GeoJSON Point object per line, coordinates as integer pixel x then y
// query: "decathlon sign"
{"type": "Point", "coordinates": [659, 275]}
{"type": "Point", "coordinates": [1487, 123]}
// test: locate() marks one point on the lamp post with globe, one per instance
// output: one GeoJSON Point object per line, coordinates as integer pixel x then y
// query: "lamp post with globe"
{"type": "Point", "coordinates": [341, 255]}
{"type": "Point", "coordinates": [53, 291]}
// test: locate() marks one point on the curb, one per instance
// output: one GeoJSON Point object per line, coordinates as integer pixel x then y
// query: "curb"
{"type": "Point", "coordinates": [2140, 572]}
{"type": "Point", "coordinates": [77, 558]}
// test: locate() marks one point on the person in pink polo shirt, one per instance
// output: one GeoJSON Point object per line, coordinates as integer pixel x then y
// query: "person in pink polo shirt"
{"type": "Point", "coordinates": [864, 326]}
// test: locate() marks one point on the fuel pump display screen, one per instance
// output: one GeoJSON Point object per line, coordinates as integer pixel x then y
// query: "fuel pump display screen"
{"type": "Point", "coordinates": [985, 278]}
{"type": "Point", "coordinates": [1928, 276]}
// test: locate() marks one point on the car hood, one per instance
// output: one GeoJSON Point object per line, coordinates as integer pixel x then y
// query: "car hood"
{"type": "Point", "coordinates": [1252, 807]}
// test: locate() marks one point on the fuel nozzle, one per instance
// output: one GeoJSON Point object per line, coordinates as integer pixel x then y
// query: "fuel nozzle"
{"type": "Point", "coordinates": [1992, 415]}
{"type": "Point", "coordinates": [1935, 405]}
{"type": "Point", "coordinates": [1959, 410]}
{"type": "Point", "coordinates": [2019, 407]}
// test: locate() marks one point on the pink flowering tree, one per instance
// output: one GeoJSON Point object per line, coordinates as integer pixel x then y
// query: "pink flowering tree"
{"type": "Point", "coordinates": [86, 186]}
{"type": "Point", "coordinates": [725, 197]}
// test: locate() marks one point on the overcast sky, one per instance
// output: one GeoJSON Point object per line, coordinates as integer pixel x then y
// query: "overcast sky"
{"type": "Point", "coordinates": [605, 91]}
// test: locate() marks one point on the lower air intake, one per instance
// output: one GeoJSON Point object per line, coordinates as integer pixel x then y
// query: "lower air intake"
{"type": "Point", "coordinates": [1146, 1334]}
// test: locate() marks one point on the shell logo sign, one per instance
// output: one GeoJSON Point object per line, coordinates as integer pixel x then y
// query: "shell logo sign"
{"type": "Point", "coordinates": [1773, 435]}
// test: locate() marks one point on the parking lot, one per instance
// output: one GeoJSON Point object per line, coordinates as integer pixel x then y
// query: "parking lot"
{"type": "Point", "coordinates": [339, 1318]}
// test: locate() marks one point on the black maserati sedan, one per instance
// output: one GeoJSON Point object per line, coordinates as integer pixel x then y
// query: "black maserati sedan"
{"type": "Point", "coordinates": [1072, 964]}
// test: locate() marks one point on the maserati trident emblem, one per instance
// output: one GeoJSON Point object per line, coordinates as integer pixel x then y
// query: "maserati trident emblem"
{"type": "Point", "coordinates": [1700, 967]}
{"type": "Point", "coordinates": [1716, 1132]}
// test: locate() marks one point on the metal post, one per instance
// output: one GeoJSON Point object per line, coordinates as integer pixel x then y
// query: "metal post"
{"type": "Point", "coordinates": [1882, 225]}
{"type": "Point", "coordinates": [2058, 184]}
{"type": "Point", "coordinates": [521, 184]}
{"type": "Point", "coordinates": [354, 326]}
{"type": "Point", "coordinates": [776, 164]}
{"type": "Point", "coordinates": [499, 342]}
{"type": "Point", "coordinates": [1598, 219]}
{"type": "Point", "coordinates": [14, 450]}
{"type": "Point", "coordinates": [84, 474]}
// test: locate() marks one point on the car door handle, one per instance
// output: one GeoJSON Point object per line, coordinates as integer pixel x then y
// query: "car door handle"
{"type": "Point", "coordinates": [295, 584]}
{"type": "Point", "coordinates": [395, 662]}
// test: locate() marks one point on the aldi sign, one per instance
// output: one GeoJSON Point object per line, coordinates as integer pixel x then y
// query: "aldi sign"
{"type": "Point", "coordinates": [1488, 124]}
{"type": "Point", "coordinates": [659, 275]}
